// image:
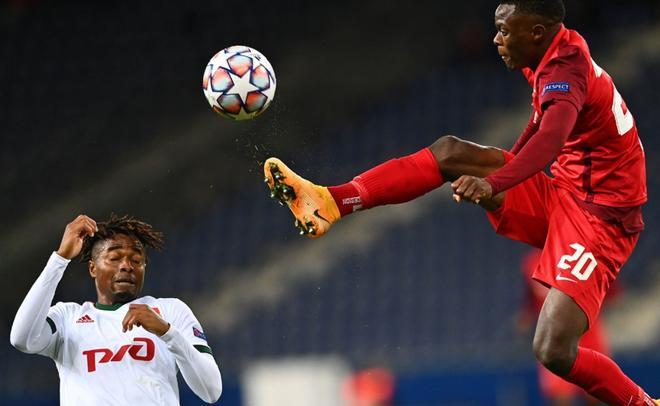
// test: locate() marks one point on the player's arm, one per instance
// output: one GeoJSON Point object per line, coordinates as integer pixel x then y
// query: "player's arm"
{"type": "Point", "coordinates": [527, 133]}
{"type": "Point", "coordinates": [542, 148]}
{"type": "Point", "coordinates": [197, 366]}
{"type": "Point", "coordinates": [195, 361]}
{"type": "Point", "coordinates": [32, 330]}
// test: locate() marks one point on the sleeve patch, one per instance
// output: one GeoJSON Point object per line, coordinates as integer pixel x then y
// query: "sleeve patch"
{"type": "Point", "coordinates": [562, 87]}
{"type": "Point", "coordinates": [199, 333]}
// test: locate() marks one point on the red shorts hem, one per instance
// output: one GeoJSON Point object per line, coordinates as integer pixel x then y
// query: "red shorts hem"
{"type": "Point", "coordinates": [590, 308]}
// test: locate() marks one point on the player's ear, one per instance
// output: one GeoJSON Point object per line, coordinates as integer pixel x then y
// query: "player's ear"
{"type": "Point", "coordinates": [538, 32]}
{"type": "Point", "coordinates": [91, 266]}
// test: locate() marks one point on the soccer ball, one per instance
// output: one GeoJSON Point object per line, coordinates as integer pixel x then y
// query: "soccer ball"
{"type": "Point", "coordinates": [239, 83]}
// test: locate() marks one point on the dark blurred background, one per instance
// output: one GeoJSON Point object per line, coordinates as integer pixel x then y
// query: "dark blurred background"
{"type": "Point", "coordinates": [102, 111]}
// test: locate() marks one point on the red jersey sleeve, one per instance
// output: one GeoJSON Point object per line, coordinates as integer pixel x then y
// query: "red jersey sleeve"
{"type": "Point", "coordinates": [527, 133]}
{"type": "Point", "coordinates": [564, 78]}
{"type": "Point", "coordinates": [542, 148]}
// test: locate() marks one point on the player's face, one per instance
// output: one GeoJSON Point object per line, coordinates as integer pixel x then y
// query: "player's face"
{"type": "Point", "coordinates": [515, 38]}
{"type": "Point", "coordinates": [118, 268]}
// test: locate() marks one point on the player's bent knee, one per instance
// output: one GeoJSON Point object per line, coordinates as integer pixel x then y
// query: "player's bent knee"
{"type": "Point", "coordinates": [458, 157]}
{"type": "Point", "coordinates": [554, 352]}
{"type": "Point", "coordinates": [445, 147]}
{"type": "Point", "coordinates": [448, 151]}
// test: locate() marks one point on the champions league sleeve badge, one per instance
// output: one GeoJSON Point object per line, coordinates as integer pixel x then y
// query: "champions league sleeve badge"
{"type": "Point", "coordinates": [199, 334]}
{"type": "Point", "coordinates": [562, 87]}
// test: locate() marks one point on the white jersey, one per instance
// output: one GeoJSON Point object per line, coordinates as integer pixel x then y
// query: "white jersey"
{"type": "Point", "coordinates": [99, 364]}
{"type": "Point", "coordinates": [97, 360]}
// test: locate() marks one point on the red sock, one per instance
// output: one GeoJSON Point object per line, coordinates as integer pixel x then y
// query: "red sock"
{"type": "Point", "coordinates": [347, 198]}
{"type": "Point", "coordinates": [395, 181]}
{"type": "Point", "coordinates": [599, 376]}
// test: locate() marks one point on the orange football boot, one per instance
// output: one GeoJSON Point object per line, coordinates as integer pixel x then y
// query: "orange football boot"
{"type": "Point", "coordinates": [312, 205]}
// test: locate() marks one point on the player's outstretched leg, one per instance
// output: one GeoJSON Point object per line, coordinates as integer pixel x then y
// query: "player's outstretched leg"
{"type": "Point", "coordinates": [561, 324]}
{"type": "Point", "coordinates": [398, 180]}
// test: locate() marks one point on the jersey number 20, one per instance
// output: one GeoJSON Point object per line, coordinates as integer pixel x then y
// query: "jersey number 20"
{"type": "Point", "coordinates": [624, 121]}
{"type": "Point", "coordinates": [582, 258]}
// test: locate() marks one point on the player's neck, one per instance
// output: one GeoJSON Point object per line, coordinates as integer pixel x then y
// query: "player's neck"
{"type": "Point", "coordinates": [105, 300]}
{"type": "Point", "coordinates": [552, 30]}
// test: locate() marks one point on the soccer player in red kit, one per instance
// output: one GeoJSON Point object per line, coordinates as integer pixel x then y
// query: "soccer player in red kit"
{"type": "Point", "coordinates": [586, 218]}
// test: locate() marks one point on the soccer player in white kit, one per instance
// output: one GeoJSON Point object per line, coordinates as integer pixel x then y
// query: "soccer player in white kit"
{"type": "Point", "coordinates": [124, 349]}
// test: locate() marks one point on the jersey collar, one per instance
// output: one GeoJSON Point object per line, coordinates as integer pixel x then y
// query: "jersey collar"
{"type": "Point", "coordinates": [101, 306]}
{"type": "Point", "coordinates": [550, 53]}
{"type": "Point", "coordinates": [553, 48]}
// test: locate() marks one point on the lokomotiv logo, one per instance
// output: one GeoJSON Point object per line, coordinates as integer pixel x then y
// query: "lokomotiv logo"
{"type": "Point", "coordinates": [134, 350]}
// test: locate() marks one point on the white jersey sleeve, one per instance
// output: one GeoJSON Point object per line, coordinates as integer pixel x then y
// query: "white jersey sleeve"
{"type": "Point", "coordinates": [34, 329]}
{"type": "Point", "coordinates": [186, 340]}
{"type": "Point", "coordinates": [182, 317]}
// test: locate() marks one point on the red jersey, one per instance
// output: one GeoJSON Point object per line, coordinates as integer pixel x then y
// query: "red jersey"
{"type": "Point", "coordinates": [602, 162]}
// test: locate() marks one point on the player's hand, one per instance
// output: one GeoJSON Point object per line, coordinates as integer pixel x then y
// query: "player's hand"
{"type": "Point", "coordinates": [472, 189]}
{"type": "Point", "coordinates": [74, 234]}
{"type": "Point", "coordinates": [141, 315]}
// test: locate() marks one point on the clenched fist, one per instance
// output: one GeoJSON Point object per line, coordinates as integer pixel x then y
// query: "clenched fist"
{"type": "Point", "coordinates": [141, 315]}
{"type": "Point", "coordinates": [472, 189]}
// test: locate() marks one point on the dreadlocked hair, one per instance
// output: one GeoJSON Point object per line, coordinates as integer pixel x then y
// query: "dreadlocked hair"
{"type": "Point", "coordinates": [128, 225]}
{"type": "Point", "coordinates": [553, 10]}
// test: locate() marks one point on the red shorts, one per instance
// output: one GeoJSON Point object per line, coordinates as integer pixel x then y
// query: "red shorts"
{"type": "Point", "coordinates": [552, 386]}
{"type": "Point", "coordinates": [582, 254]}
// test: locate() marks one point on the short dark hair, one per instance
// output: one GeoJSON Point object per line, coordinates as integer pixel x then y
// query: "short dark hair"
{"type": "Point", "coordinates": [114, 225]}
{"type": "Point", "coordinates": [554, 10]}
